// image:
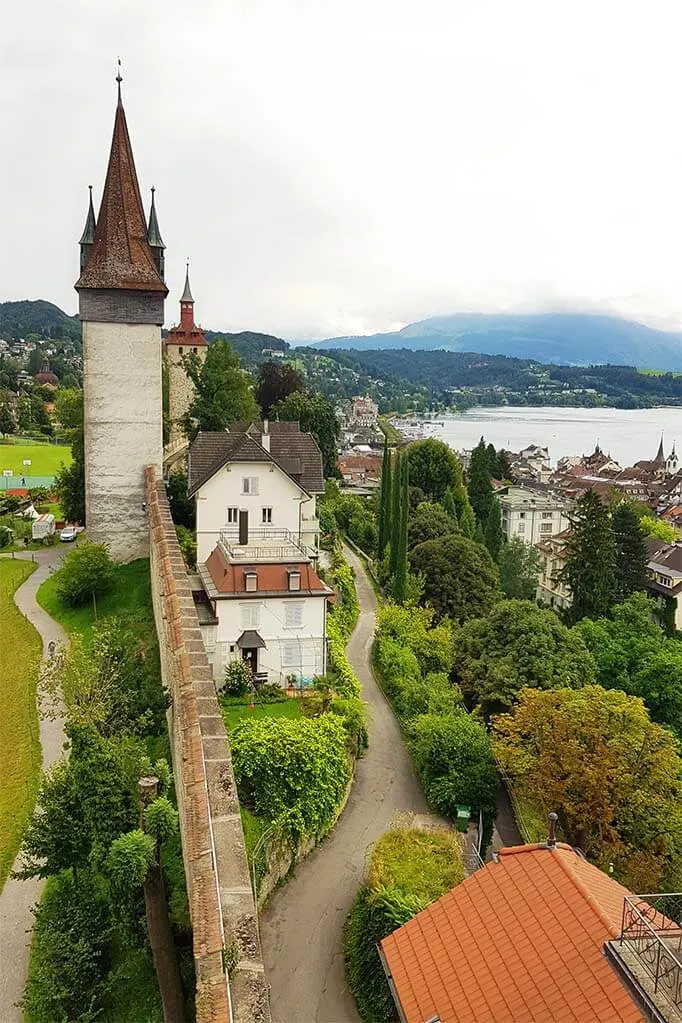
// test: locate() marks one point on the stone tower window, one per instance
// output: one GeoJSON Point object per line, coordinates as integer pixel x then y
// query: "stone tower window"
{"type": "Point", "coordinates": [180, 350]}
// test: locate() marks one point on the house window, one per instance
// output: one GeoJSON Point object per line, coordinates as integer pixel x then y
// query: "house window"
{"type": "Point", "coordinates": [545, 527]}
{"type": "Point", "coordinates": [250, 582]}
{"type": "Point", "coordinates": [250, 613]}
{"type": "Point", "coordinates": [180, 350]}
{"type": "Point", "coordinates": [522, 515]}
{"type": "Point", "coordinates": [266, 516]}
{"type": "Point", "coordinates": [290, 654]}
{"type": "Point", "coordinates": [232, 516]}
{"type": "Point", "coordinates": [249, 484]}
{"type": "Point", "coordinates": [194, 350]}
{"type": "Point", "coordinates": [521, 528]}
{"type": "Point", "coordinates": [294, 580]}
{"type": "Point", "coordinates": [547, 515]}
{"type": "Point", "coordinates": [293, 614]}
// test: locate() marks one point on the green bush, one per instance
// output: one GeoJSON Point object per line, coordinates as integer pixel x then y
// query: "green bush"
{"type": "Point", "coordinates": [66, 982]}
{"type": "Point", "coordinates": [187, 541]}
{"type": "Point", "coordinates": [87, 571]}
{"type": "Point", "coordinates": [293, 772]}
{"type": "Point", "coordinates": [409, 869]}
{"type": "Point", "coordinates": [238, 678]}
{"type": "Point", "coordinates": [5, 536]}
{"type": "Point", "coordinates": [455, 763]}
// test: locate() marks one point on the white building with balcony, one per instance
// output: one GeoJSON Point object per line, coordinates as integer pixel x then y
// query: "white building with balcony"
{"type": "Point", "coordinates": [532, 515]}
{"type": "Point", "coordinates": [257, 541]}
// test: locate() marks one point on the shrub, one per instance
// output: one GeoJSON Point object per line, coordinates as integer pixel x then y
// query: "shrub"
{"type": "Point", "coordinates": [68, 960]}
{"type": "Point", "coordinates": [293, 772]}
{"type": "Point", "coordinates": [5, 536]}
{"type": "Point", "coordinates": [87, 571]}
{"type": "Point", "coordinates": [187, 541]}
{"type": "Point", "coordinates": [238, 678]}
{"type": "Point", "coordinates": [454, 760]}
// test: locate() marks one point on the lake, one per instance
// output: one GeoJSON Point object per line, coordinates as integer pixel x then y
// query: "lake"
{"type": "Point", "coordinates": [628, 434]}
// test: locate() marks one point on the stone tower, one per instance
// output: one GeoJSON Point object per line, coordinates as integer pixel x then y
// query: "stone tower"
{"type": "Point", "coordinates": [181, 340]}
{"type": "Point", "coordinates": [121, 294]}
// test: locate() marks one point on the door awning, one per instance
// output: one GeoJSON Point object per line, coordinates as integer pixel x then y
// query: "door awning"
{"type": "Point", "coordinates": [250, 640]}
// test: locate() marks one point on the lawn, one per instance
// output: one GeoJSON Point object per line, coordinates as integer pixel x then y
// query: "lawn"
{"type": "Point", "coordinates": [46, 459]}
{"type": "Point", "coordinates": [234, 713]}
{"type": "Point", "coordinates": [20, 754]}
{"type": "Point", "coordinates": [131, 595]}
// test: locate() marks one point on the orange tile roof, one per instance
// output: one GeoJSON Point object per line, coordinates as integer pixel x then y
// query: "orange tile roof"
{"type": "Point", "coordinates": [519, 941]}
{"type": "Point", "coordinates": [273, 578]}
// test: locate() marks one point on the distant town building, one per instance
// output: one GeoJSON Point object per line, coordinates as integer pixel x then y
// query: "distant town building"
{"type": "Point", "coordinates": [664, 570]}
{"type": "Point", "coordinates": [550, 590]}
{"type": "Point", "coordinates": [532, 515]}
{"type": "Point", "coordinates": [357, 468]}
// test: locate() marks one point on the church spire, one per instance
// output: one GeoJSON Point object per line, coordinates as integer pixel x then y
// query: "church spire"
{"type": "Point", "coordinates": [660, 457]}
{"type": "Point", "coordinates": [155, 240]}
{"type": "Point", "coordinates": [187, 294]}
{"type": "Point", "coordinates": [88, 237]}
{"type": "Point", "coordinates": [121, 257]}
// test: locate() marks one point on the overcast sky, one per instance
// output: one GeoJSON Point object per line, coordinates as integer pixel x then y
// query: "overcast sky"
{"type": "Point", "coordinates": [345, 166]}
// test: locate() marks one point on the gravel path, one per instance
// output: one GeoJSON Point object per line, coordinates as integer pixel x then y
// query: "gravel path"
{"type": "Point", "coordinates": [302, 925]}
{"type": "Point", "coordinates": [17, 897]}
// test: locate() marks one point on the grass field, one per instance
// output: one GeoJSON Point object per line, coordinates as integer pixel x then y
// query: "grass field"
{"type": "Point", "coordinates": [131, 594]}
{"type": "Point", "coordinates": [46, 459]}
{"type": "Point", "coordinates": [235, 713]}
{"type": "Point", "coordinates": [20, 756]}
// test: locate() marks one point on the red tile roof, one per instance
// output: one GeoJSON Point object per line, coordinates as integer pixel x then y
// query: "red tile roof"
{"type": "Point", "coordinates": [229, 578]}
{"type": "Point", "coordinates": [121, 256]}
{"type": "Point", "coordinates": [519, 941]}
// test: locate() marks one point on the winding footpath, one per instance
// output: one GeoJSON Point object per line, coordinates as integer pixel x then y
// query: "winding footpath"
{"type": "Point", "coordinates": [17, 897]}
{"type": "Point", "coordinates": [302, 925]}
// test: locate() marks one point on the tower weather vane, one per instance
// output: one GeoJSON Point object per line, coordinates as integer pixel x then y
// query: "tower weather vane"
{"type": "Point", "coordinates": [119, 78]}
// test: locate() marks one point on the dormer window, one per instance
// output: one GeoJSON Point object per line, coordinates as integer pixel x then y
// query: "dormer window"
{"type": "Point", "coordinates": [294, 580]}
{"type": "Point", "coordinates": [251, 582]}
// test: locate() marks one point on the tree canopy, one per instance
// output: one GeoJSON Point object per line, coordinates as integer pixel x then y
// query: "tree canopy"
{"type": "Point", "coordinates": [276, 381]}
{"type": "Point", "coordinates": [518, 644]}
{"type": "Point", "coordinates": [519, 565]}
{"type": "Point", "coordinates": [590, 559]}
{"type": "Point", "coordinates": [460, 578]}
{"type": "Point", "coordinates": [479, 482]}
{"type": "Point", "coordinates": [613, 777]}
{"type": "Point", "coordinates": [429, 522]}
{"type": "Point", "coordinates": [222, 391]}
{"type": "Point", "coordinates": [315, 415]}
{"type": "Point", "coordinates": [434, 467]}
{"type": "Point", "coordinates": [631, 551]}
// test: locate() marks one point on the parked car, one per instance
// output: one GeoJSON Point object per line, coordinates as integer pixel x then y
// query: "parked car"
{"type": "Point", "coordinates": [68, 534]}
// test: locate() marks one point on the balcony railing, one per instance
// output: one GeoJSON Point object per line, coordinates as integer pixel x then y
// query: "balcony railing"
{"type": "Point", "coordinates": [265, 543]}
{"type": "Point", "coordinates": [650, 947]}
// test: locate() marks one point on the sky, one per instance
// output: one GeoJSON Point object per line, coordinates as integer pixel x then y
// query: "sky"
{"type": "Point", "coordinates": [348, 166]}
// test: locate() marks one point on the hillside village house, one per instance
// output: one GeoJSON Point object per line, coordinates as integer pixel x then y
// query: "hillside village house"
{"type": "Point", "coordinates": [260, 598]}
{"type": "Point", "coordinates": [532, 515]}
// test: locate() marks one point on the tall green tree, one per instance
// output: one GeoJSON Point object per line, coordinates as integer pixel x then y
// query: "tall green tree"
{"type": "Point", "coordinates": [460, 577]}
{"type": "Point", "coordinates": [222, 391]}
{"type": "Point", "coordinates": [385, 502]}
{"type": "Point", "coordinates": [7, 424]}
{"type": "Point", "coordinates": [315, 415]}
{"type": "Point", "coordinates": [631, 551]}
{"type": "Point", "coordinates": [396, 497]}
{"type": "Point", "coordinates": [429, 522]}
{"type": "Point", "coordinates": [494, 537]}
{"type": "Point", "coordinates": [400, 579]}
{"type": "Point", "coordinates": [450, 505]}
{"type": "Point", "coordinates": [70, 481]}
{"type": "Point", "coordinates": [590, 560]}
{"type": "Point", "coordinates": [491, 457]}
{"type": "Point", "coordinates": [519, 565]}
{"type": "Point", "coordinates": [480, 486]}
{"type": "Point", "coordinates": [467, 522]}
{"type": "Point", "coordinates": [433, 468]}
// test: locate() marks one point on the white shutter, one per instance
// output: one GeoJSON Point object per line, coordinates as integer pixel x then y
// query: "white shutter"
{"type": "Point", "coordinates": [290, 654]}
{"type": "Point", "coordinates": [293, 614]}
{"type": "Point", "coordinates": [250, 613]}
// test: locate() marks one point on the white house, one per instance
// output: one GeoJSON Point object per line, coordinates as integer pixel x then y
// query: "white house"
{"type": "Point", "coordinates": [257, 541]}
{"type": "Point", "coordinates": [532, 515]}
{"type": "Point", "coordinates": [257, 475]}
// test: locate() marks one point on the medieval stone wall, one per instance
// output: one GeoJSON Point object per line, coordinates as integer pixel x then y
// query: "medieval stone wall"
{"type": "Point", "coordinates": [180, 388]}
{"type": "Point", "coordinates": [231, 985]}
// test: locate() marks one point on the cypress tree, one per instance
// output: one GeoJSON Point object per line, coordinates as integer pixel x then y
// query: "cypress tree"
{"type": "Point", "coordinates": [400, 578]}
{"type": "Point", "coordinates": [449, 504]}
{"type": "Point", "coordinates": [480, 488]}
{"type": "Point", "coordinates": [631, 551]}
{"type": "Point", "coordinates": [494, 537]}
{"type": "Point", "coordinates": [590, 560]}
{"type": "Point", "coordinates": [395, 514]}
{"type": "Point", "coordinates": [467, 522]}
{"type": "Point", "coordinates": [385, 501]}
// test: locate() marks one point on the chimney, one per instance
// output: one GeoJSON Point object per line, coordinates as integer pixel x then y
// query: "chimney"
{"type": "Point", "coordinates": [551, 839]}
{"type": "Point", "coordinates": [265, 436]}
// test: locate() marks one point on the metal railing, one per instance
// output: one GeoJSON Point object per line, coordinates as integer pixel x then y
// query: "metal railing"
{"type": "Point", "coordinates": [262, 543]}
{"type": "Point", "coordinates": [650, 930]}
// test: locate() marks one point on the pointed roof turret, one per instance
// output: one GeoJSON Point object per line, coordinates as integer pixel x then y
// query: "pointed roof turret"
{"type": "Point", "coordinates": [153, 233]}
{"type": "Point", "coordinates": [660, 457]}
{"type": "Point", "coordinates": [187, 294]}
{"type": "Point", "coordinates": [88, 236]}
{"type": "Point", "coordinates": [121, 257]}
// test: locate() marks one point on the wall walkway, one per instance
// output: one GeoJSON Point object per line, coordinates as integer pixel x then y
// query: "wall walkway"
{"type": "Point", "coordinates": [231, 984]}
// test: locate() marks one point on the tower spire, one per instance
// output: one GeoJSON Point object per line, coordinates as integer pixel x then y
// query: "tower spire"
{"type": "Point", "coordinates": [154, 238]}
{"type": "Point", "coordinates": [660, 457]}
{"type": "Point", "coordinates": [187, 293]}
{"type": "Point", "coordinates": [87, 239]}
{"type": "Point", "coordinates": [121, 256]}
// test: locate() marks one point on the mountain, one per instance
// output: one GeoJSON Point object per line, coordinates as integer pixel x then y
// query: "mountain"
{"type": "Point", "coordinates": [568, 338]}
{"type": "Point", "coordinates": [19, 319]}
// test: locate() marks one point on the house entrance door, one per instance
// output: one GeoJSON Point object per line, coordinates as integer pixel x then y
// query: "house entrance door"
{"type": "Point", "coordinates": [250, 655]}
